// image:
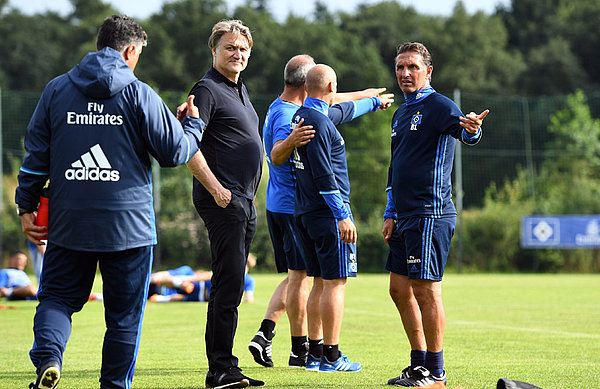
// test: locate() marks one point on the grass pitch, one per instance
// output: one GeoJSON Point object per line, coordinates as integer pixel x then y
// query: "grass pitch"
{"type": "Point", "coordinates": [541, 329]}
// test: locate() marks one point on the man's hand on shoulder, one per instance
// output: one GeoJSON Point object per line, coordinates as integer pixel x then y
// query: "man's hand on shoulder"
{"type": "Point", "coordinates": [301, 135]}
{"type": "Point", "coordinates": [282, 149]}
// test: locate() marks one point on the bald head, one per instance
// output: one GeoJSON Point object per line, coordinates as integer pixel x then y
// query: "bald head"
{"type": "Point", "coordinates": [296, 69]}
{"type": "Point", "coordinates": [321, 82]}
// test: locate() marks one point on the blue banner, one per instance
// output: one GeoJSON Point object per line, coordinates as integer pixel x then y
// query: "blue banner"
{"type": "Point", "coordinates": [560, 231]}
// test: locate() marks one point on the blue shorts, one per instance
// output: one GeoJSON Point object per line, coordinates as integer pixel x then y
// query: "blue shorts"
{"type": "Point", "coordinates": [419, 247]}
{"type": "Point", "coordinates": [325, 255]}
{"type": "Point", "coordinates": [200, 293]}
{"type": "Point", "coordinates": [286, 242]}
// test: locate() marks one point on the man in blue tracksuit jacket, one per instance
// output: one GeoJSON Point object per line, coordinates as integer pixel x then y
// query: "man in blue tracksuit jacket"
{"type": "Point", "coordinates": [420, 217]}
{"type": "Point", "coordinates": [322, 210]}
{"type": "Point", "coordinates": [280, 139]}
{"type": "Point", "coordinates": [92, 135]}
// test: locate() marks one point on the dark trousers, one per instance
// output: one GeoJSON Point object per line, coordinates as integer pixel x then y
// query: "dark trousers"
{"type": "Point", "coordinates": [230, 231]}
{"type": "Point", "coordinates": [65, 286]}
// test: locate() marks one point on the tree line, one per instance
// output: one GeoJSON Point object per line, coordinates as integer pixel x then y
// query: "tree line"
{"type": "Point", "coordinates": [528, 47]}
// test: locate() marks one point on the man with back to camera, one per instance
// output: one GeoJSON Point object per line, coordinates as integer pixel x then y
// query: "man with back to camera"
{"type": "Point", "coordinates": [279, 141]}
{"type": "Point", "coordinates": [420, 217]}
{"type": "Point", "coordinates": [224, 192]}
{"type": "Point", "coordinates": [92, 134]}
{"type": "Point", "coordinates": [322, 211]}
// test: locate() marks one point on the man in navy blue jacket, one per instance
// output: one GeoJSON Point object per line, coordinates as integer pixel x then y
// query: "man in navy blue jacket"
{"type": "Point", "coordinates": [322, 210]}
{"type": "Point", "coordinates": [420, 216]}
{"type": "Point", "coordinates": [92, 135]}
{"type": "Point", "coordinates": [279, 140]}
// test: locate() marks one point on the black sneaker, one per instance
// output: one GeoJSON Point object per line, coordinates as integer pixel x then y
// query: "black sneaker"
{"type": "Point", "coordinates": [231, 377]}
{"type": "Point", "coordinates": [401, 378]}
{"type": "Point", "coordinates": [48, 376]}
{"type": "Point", "coordinates": [416, 376]}
{"type": "Point", "coordinates": [254, 382]}
{"type": "Point", "coordinates": [297, 360]}
{"type": "Point", "coordinates": [261, 347]}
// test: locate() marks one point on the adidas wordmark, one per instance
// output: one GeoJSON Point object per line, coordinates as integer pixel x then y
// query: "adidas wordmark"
{"type": "Point", "coordinates": [93, 166]}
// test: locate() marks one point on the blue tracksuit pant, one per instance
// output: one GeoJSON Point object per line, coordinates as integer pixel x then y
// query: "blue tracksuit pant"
{"type": "Point", "coordinates": [65, 286]}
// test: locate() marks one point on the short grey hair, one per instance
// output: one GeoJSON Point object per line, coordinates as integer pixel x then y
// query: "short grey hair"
{"type": "Point", "coordinates": [225, 26]}
{"type": "Point", "coordinates": [119, 32]}
{"type": "Point", "coordinates": [296, 69]}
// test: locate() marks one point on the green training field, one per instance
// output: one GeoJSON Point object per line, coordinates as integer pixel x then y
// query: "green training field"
{"type": "Point", "coordinates": [541, 329]}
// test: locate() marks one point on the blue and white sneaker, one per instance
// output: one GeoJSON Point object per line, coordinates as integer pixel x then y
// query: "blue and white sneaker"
{"type": "Point", "coordinates": [340, 364]}
{"type": "Point", "coordinates": [312, 363]}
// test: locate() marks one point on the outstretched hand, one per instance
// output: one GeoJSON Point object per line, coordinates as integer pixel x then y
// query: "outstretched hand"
{"type": "Point", "coordinates": [472, 122]}
{"type": "Point", "coordinates": [373, 92]}
{"type": "Point", "coordinates": [386, 100]}
{"type": "Point", "coordinates": [187, 109]}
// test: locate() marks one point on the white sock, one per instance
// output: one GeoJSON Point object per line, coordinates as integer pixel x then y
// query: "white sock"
{"type": "Point", "coordinates": [178, 280]}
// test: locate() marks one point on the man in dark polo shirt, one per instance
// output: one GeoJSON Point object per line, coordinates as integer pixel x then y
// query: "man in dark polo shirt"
{"type": "Point", "coordinates": [224, 195]}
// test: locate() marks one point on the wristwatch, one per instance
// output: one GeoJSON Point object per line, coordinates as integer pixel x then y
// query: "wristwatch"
{"type": "Point", "coordinates": [22, 211]}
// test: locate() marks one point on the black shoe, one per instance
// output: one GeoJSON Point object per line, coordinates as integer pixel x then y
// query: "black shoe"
{"type": "Point", "coordinates": [48, 376]}
{"type": "Point", "coordinates": [231, 377]}
{"type": "Point", "coordinates": [254, 382]}
{"type": "Point", "coordinates": [297, 360]}
{"type": "Point", "coordinates": [260, 347]}
{"type": "Point", "coordinates": [416, 376]}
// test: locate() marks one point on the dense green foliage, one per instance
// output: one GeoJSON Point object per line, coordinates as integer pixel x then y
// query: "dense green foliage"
{"type": "Point", "coordinates": [559, 42]}
{"type": "Point", "coordinates": [528, 46]}
{"type": "Point", "coordinates": [564, 185]}
{"type": "Point", "coordinates": [541, 329]}
{"type": "Point", "coordinates": [538, 155]}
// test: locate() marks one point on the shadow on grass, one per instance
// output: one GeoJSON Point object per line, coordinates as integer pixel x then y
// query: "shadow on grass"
{"type": "Point", "coordinates": [166, 378]}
